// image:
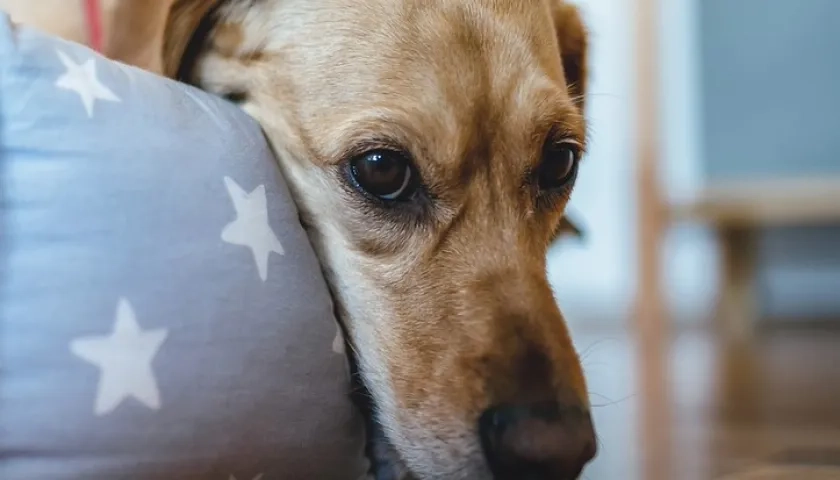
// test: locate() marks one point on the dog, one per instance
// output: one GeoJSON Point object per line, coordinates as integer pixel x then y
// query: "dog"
{"type": "Point", "coordinates": [431, 147]}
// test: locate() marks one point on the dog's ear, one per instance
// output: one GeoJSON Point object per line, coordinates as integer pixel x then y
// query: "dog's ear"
{"type": "Point", "coordinates": [568, 227]}
{"type": "Point", "coordinates": [188, 25]}
{"type": "Point", "coordinates": [573, 39]}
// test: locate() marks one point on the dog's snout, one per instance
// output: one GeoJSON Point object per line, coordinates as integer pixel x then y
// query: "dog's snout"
{"type": "Point", "coordinates": [537, 442]}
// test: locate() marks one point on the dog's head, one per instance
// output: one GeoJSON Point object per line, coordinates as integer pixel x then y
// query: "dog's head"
{"type": "Point", "coordinates": [431, 146]}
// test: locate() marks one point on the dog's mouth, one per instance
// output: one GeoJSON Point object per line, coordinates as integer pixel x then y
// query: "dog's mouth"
{"type": "Point", "coordinates": [385, 463]}
{"type": "Point", "coordinates": [550, 447]}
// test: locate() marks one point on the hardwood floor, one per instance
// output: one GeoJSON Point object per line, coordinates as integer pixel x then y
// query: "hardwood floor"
{"type": "Point", "coordinates": [689, 407]}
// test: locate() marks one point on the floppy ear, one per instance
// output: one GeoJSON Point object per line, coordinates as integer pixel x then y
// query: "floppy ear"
{"type": "Point", "coordinates": [568, 227]}
{"type": "Point", "coordinates": [573, 39]}
{"type": "Point", "coordinates": [188, 25]}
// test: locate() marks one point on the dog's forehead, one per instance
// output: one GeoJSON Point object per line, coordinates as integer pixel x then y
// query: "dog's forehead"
{"type": "Point", "coordinates": [411, 36]}
{"type": "Point", "coordinates": [447, 70]}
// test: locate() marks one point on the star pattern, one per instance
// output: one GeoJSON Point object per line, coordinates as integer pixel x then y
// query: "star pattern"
{"type": "Point", "coordinates": [81, 79]}
{"type": "Point", "coordinates": [251, 228]}
{"type": "Point", "coordinates": [338, 341]}
{"type": "Point", "coordinates": [124, 359]}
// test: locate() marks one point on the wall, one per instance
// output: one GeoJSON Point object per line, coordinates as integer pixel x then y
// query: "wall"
{"type": "Point", "coordinates": [770, 78]}
{"type": "Point", "coordinates": [749, 90]}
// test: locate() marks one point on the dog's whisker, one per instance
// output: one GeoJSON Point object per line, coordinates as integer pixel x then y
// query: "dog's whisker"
{"type": "Point", "coordinates": [612, 402]}
{"type": "Point", "coordinates": [593, 364]}
{"type": "Point", "coordinates": [588, 350]}
{"type": "Point", "coordinates": [599, 395]}
{"type": "Point", "coordinates": [599, 443]}
{"type": "Point", "coordinates": [603, 94]}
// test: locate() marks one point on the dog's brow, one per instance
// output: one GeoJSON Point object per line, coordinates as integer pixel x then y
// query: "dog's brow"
{"type": "Point", "coordinates": [567, 132]}
{"type": "Point", "coordinates": [377, 129]}
{"type": "Point", "coordinates": [558, 116]}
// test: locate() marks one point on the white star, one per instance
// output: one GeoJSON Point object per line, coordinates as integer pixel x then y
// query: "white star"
{"type": "Point", "coordinates": [251, 228]}
{"type": "Point", "coordinates": [81, 78]}
{"type": "Point", "coordinates": [124, 359]}
{"type": "Point", "coordinates": [258, 477]}
{"type": "Point", "coordinates": [338, 341]}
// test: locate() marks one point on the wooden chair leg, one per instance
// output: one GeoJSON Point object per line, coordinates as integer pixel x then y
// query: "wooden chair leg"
{"type": "Point", "coordinates": [738, 307]}
{"type": "Point", "coordinates": [740, 377]}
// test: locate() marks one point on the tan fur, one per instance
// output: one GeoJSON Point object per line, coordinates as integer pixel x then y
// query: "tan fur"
{"type": "Point", "coordinates": [449, 311]}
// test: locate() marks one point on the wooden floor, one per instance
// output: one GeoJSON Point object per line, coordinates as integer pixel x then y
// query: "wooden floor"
{"type": "Point", "coordinates": [689, 408]}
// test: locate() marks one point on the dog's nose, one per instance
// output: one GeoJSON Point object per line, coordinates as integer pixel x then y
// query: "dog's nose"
{"type": "Point", "coordinates": [544, 441]}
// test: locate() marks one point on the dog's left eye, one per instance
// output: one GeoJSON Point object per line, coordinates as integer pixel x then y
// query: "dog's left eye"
{"type": "Point", "coordinates": [384, 174]}
{"type": "Point", "coordinates": [559, 165]}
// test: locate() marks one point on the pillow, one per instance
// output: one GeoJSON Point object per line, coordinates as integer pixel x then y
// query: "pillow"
{"type": "Point", "coordinates": [162, 313]}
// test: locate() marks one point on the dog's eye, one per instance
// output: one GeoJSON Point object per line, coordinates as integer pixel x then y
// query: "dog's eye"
{"type": "Point", "coordinates": [384, 174]}
{"type": "Point", "coordinates": [559, 165]}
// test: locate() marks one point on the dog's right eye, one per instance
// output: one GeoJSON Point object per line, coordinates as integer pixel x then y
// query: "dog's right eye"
{"type": "Point", "coordinates": [385, 174]}
{"type": "Point", "coordinates": [560, 161]}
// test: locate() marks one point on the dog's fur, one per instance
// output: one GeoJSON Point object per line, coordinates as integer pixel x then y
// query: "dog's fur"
{"type": "Point", "coordinates": [446, 303]}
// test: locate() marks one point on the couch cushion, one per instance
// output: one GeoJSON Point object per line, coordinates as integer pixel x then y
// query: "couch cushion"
{"type": "Point", "coordinates": [162, 313]}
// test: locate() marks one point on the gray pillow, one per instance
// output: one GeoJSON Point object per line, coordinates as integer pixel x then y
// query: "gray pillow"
{"type": "Point", "coordinates": [162, 314]}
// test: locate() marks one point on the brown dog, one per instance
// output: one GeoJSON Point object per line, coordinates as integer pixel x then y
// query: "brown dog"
{"type": "Point", "coordinates": [431, 146]}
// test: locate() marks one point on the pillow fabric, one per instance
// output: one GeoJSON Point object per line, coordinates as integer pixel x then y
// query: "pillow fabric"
{"type": "Point", "coordinates": [162, 313]}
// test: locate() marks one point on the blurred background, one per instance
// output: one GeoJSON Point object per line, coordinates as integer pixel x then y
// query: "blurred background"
{"type": "Point", "coordinates": [705, 298]}
{"type": "Point", "coordinates": [705, 295]}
